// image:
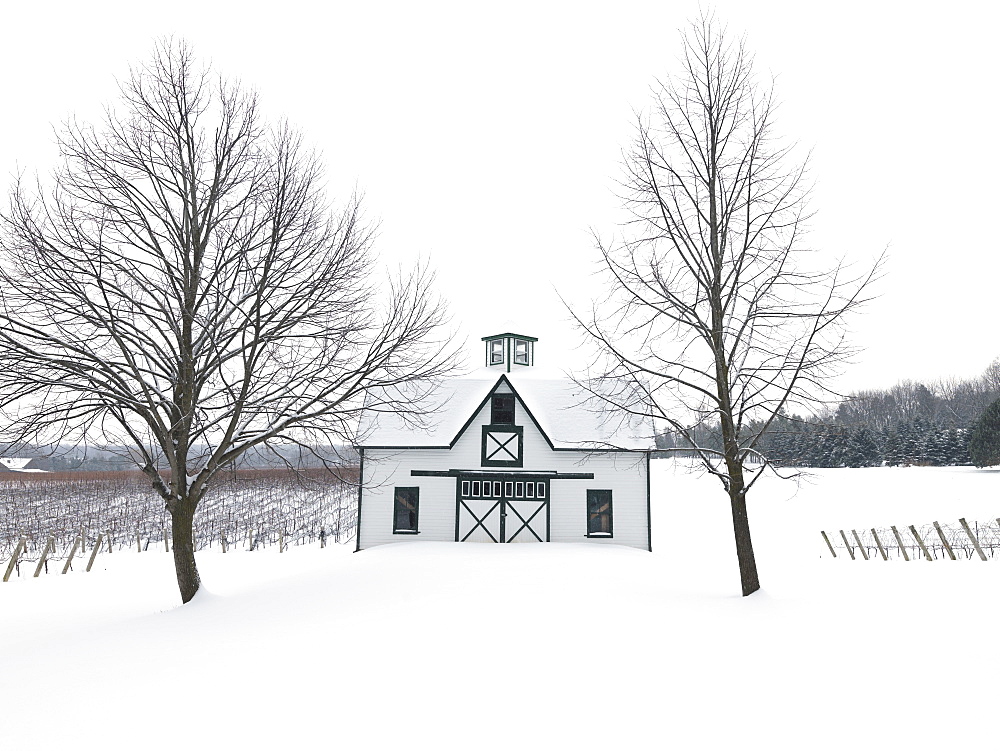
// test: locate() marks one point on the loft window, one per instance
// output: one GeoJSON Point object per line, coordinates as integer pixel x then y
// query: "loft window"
{"type": "Point", "coordinates": [496, 352]}
{"type": "Point", "coordinates": [520, 352]}
{"type": "Point", "coordinates": [405, 508]}
{"type": "Point", "coordinates": [599, 519]}
{"type": "Point", "coordinates": [502, 409]}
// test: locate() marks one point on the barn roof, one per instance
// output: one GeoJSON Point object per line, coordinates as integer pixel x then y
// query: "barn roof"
{"type": "Point", "coordinates": [558, 407]}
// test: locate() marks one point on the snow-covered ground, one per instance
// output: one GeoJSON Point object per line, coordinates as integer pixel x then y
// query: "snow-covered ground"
{"type": "Point", "coordinates": [450, 646]}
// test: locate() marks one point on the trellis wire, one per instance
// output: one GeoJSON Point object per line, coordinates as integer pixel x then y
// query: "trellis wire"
{"type": "Point", "coordinates": [251, 508]}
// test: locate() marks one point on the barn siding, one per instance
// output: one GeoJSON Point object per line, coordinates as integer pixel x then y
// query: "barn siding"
{"type": "Point", "coordinates": [624, 473]}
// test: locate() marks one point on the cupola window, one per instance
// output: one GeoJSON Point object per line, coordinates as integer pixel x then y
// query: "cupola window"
{"type": "Point", "coordinates": [508, 350]}
{"type": "Point", "coordinates": [520, 352]}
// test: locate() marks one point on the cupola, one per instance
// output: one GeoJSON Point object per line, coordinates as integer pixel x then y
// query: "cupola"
{"type": "Point", "coordinates": [510, 351]}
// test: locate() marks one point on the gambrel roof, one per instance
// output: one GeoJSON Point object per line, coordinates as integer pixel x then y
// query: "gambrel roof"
{"type": "Point", "coordinates": [563, 414]}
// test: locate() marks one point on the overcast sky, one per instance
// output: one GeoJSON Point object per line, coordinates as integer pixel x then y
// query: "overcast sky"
{"type": "Point", "coordinates": [487, 137]}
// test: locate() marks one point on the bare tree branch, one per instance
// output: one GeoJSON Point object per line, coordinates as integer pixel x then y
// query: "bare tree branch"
{"type": "Point", "coordinates": [184, 290]}
{"type": "Point", "coordinates": [716, 311]}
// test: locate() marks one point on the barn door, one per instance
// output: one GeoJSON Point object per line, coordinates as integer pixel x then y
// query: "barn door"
{"type": "Point", "coordinates": [512, 509]}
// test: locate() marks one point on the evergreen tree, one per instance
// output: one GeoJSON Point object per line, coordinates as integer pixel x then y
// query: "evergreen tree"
{"type": "Point", "coordinates": [984, 438]}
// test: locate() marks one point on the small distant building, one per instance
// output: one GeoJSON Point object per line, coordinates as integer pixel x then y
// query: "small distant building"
{"type": "Point", "coordinates": [515, 456]}
{"type": "Point", "coordinates": [11, 464]}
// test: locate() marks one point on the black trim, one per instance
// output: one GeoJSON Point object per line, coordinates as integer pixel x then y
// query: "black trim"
{"type": "Point", "coordinates": [415, 513]}
{"type": "Point", "coordinates": [503, 446]}
{"type": "Point", "coordinates": [501, 380]}
{"type": "Point", "coordinates": [500, 475]}
{"type": "Point", "coordinates": [361, 487]}
{"type": "Point", "coordinates": [509, 334]}
{"type": "Point", "coordinates": [597, 497]}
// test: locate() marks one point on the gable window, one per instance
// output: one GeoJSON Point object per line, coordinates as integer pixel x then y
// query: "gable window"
{"type": "Point", "coordinates": [599, 518]}
{"type": "Point", "coordinates": [520, 352]}
{"type": "Point", "coordinates": [496, 352]}
{"type": "Point", "coordinates": [502, 409]}
{"type": "Point", "coordinates": [405, 508]}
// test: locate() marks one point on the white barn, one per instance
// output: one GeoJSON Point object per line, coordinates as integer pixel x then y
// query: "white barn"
{"type": "Point", "coordinates": [514, 457]}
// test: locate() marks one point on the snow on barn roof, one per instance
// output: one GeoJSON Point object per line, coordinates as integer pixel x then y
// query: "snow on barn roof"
{"type": "Point", "coordinates": [558, 406]}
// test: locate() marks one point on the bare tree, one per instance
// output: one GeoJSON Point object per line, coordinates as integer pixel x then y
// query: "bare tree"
{"type": "Point", "coordinates": [716, 311]}
{"type": "Point", "coordinates": [183, 289]}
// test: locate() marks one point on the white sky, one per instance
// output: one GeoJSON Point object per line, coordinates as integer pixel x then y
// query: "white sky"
{"type": "Point", "coordinates": [488, 137]}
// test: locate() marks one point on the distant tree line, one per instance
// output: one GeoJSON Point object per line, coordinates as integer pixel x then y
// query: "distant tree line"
{"type": "Point", "coordinates": [911, 423]}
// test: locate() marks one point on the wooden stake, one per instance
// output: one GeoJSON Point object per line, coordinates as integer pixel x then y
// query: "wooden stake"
{"type": "Point", "coordinates": [14, 558]}
{"type": "Point", "coordinates": [97, 547]}
{"type": "Point", "coordinates": [899, 541]}
{"type": "Point", "coordinates": [828, 543]}
{"type": "Point", "coordinates": [864, 553]}
{"type": "Point", "coordinates": [69, 560]}
{"type": "Point", "coordinates": [50, 545]}
{"type": "Point", "coordinates": [878, 542]}
{"type": "Point", "coordinates": [847, 544]}
{"type": "Point", "coordinates": [975, 542]}
{"type": "Point", "coordinates": [944, 541]}
{"type": "Point", "coordinates": [913, 531]}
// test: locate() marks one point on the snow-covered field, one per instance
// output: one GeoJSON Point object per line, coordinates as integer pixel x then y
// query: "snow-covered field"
{"type": "Point", "coordinates": [450, 646]}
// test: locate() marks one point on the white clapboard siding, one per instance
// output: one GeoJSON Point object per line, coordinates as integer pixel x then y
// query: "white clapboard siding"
{"type": "Point", "coordinates": [624, 473]}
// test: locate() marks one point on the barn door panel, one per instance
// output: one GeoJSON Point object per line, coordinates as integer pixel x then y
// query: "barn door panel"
{"type": "Point", "coordinates": [525, 520]}
{"type": "Point", "coordinates": [479, 520]}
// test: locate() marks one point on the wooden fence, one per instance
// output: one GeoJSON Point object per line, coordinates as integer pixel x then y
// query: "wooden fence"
{"type": "Point", "coordinates": [928, 542]}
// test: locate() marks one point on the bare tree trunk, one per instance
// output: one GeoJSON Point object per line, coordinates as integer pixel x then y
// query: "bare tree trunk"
{"type": "Point", "coordinates": [744, 545]}
{"type": "Point", "coordinates": [188, 580]}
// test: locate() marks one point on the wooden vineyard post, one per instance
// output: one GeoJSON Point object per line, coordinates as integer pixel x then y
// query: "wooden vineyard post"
{"type": "Point", "coordinates": [847, 544]}
{"type": "Point", "coordinates": [944, 541]}
{"type": "Point", "coordinates": [72, 552]}
{"type": "Point", "coordinates": [50, 546]}
{"type": "Point", "coordinates": [97, 547]}
{"type": "Point", "coordinates": [899, 541]}
{"type": "Point", "coordinates": [864, 553]}
{"type": "Point", "coordinates": [913, 531]}
{"type": "Point", "coordinates": [14, 558]}
{"type": "Point", "coordinates": [878, 542]}
{"type": "Point", "coordinates": [975, 542]}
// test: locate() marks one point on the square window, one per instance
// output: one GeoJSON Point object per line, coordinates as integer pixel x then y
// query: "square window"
{"type": "Point", "coordinates": [496, 352]}
{"type": "Point", "coordinates": [475, 488]}
{"type": "Point", "coordinates": [508, 489]}
{"type": "Point", "coordinates": [466, 487]}
{"type": "Point", "coordinates": [502, 409]}
{"type": "Point", "coordinates": [599, 515]}
{"type": "Point", "coordinates": [520, 352]}
{"type": "Point", "coordinates": [529, 489]}
{"type": "Point", "coordinates": [496, 489]}
{"type": "Point", "coordinates": [519, 490]}
{"type": "Point", "coordinates": [405, 507]}
{"type": "Point", "coordinates": [541, 490]}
